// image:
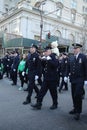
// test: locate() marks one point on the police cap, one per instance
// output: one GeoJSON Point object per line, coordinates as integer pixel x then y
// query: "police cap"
{"type": "Point", "coordinates": [47, 48]}
{"type": "Point", "coordinates": [76, 45]}
{"type": "Point", "coordinates": [34, 46]}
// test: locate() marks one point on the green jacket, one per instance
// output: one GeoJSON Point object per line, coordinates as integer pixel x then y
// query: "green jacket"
{"type": "Point", "coordinates": [21, 65]}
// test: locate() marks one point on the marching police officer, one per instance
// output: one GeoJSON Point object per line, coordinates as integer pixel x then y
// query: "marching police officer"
{"type": "Point", "coordinates": [63, 69]}
{"type": "Point", "coordinates": [14, 67]}
{"type": "Point", "coordinates": [50, 78]}
{"type": "Point", "coordinates": [7, 64]}
{"type": "Point", "coordinates": [78, 78]}
{"type": "Point", "coordinates": [33, 64]}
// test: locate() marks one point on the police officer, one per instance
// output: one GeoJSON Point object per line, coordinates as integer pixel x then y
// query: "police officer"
{"type": "Point", "coordinates": [63, 69]}
{"type": "Point", "coordinates": [78, 78]}
{"type": "Point", "coordinates": [50, 78]}
{"type": "Point", "coordinates": [14, 67]}
{"type": "Point", "coordinates": [7, 64]}
{"type": "Point", "coordinates": [33, 64]}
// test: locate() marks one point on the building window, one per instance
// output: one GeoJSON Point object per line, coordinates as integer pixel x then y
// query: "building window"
{"type": "Point", "coordinates": [59, 6]}
{"type": "Point", "coordinates": [85, 1]}
{"type": "Point", "coordinates": [57, 33]}
{"type": "Point", "coordinates": [73, 17]}
{"type": "Point", "coordinates": [73, 4]}
{"type": "Point", "coordinates": [84, 9]}
{"type": "Point", "coordinates": [84, 21]}
{"type": "Point", "coordinates": [59, 12]}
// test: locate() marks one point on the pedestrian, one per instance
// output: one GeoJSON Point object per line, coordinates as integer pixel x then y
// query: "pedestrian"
{"type": "Point", "coordinates": [50, 78]}
{"type": "Point", "coordinates": [21, 67]}
{"type": "Point", "coordinates": [78, 77]}
{"type": "Point", "coordinates": [33, 64]}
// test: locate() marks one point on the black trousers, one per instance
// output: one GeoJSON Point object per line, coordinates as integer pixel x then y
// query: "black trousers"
{"type": "Point", "coordinates": [52, 87]}
{"type": "Point", "coordinates": [32, 86]}
{"type": "Point", "coordinates": [63, 84]}
{"type": "Point", "coordinates": [14, 77]}
{"type": "Point", "coordinates": [23, 79]}
{"type": "Point", "coordinates": [77, 92]}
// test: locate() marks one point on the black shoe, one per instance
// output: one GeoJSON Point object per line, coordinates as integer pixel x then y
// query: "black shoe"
{"type": "Point", "coordinates": [36, 96]}
{"type": "Point", "coordinates": [53, 107]}
{"type": "Point", "coordinates": [36, 106]}
{"type": "Point", "coordinates": [26, 102]}
{"type": "Point", "coordinates": [65, 89]}
{"type": "Point", "coordinates": [13, 84]}
{"type": "Point", "coordinates": [72, 112]}
{"type": "Point", "coordinates": [59, 91]}
{"type": "Point", "coordinates": [77, 116]}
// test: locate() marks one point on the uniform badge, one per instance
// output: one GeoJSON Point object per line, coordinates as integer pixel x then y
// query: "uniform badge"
{"type": "Point", "coordinates": [34, 59]}
{"type": "Point", "coordinates": [80, 60]}
{"type": "Point", "coordinates": [65, 61]}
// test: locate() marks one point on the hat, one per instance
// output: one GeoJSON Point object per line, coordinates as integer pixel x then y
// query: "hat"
{"type": "Point", "coordinates": [47, 48]}
{"type": "Point", "coordinates": [33, 46]}
{"type": "Point", "coordinates": [76, 45]}
{"type": "Point", "coordinates": [54, 44]}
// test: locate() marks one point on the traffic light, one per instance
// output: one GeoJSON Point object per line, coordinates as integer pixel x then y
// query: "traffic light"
{"type": "Point", "coordinates": [48, 35]}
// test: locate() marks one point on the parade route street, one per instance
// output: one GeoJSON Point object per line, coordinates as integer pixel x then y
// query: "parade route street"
{"type": "Point", "coordinates": [15, 116]}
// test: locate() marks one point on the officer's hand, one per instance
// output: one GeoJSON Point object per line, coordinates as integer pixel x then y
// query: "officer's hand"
{"type": "Point", "coordinates": [65, 79]}
{"type": "Point", "coordinates": [36, 77]}
{"type": "Point", "coordinates": [23, 73]}
{"type": "Point", "coordinates": [43, 58]}
{"type": "Point", "coordinates": [85, 83]}
{"type": "Point", "coordinates": [49, 58]}
{"type": "Point", "coordinates": [14, 70]}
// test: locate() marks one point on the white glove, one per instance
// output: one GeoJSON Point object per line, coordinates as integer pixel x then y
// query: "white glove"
{"type": "Point", "coordinates": [14, 70]}
{"type": "Point", "coordinates": [65, 79]}
{"type": "Point", "coordinates": [44, 57]}
{"type": "Point", "coordinates": [48, 58]}
{"type": "Point", "coordinates": [85, 83]}
{"type": "Point", "coordinates": [23, 73]}
{"type": "Point", "coordinates": [36, 77]}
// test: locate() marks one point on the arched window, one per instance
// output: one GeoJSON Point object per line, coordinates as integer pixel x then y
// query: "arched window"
{"type": "Point", "coordinates": [71, 37]}
{"type": "Point", "coordinates": [57, 33]}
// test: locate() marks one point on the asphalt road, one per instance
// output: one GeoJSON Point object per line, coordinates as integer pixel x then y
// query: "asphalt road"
{"type": "Point", "coordinates": [15, 116]}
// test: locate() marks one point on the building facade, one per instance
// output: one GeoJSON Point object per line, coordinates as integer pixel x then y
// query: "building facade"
{"type": "Point", "coordinates": [65, 20]}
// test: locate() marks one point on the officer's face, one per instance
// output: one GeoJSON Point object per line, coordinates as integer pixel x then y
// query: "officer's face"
{"type": "Point", "coordinates": [76, 51]}
{"type": "Point", "coordinates": [48, 52]}
{"type": "Point", "coordinates": [32, 50]}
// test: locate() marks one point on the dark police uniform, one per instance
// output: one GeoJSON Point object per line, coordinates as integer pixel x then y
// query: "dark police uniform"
{"type": "Point", "coordinates": [7, 65]}
{"type": "Point", "coordinates": [50, 78]}
{"type": "Point", "coordinates": [15, 68]}
{"type": "Point", "coordinates": [77, 74]}
{"type": "Point", "coordinates": [63, 70]}
{"type": "Point", "coordinates": [33, 64]}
